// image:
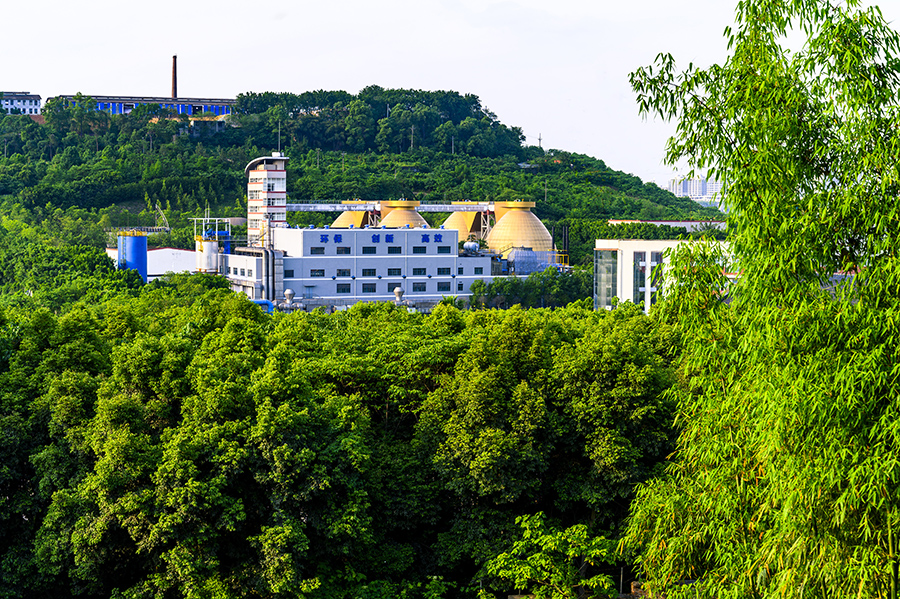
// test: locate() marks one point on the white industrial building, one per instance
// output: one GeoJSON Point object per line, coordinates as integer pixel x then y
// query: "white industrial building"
{"type": "Point", "coordinates": [374, 251]}
{"type": "Point", "coordinates": [335, 267]}
{"type": "Point", "coordinates": [630, 270]}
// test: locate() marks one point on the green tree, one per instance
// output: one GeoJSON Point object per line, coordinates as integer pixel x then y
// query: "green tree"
{"type": "Point", "coordinates": [784, 481]}
{"type": "Point", "coordinates": [555, 564]}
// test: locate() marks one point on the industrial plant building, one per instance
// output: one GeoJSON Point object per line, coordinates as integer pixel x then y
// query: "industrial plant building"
{"type": "Point", "coordinates": [374, 248]}
{"type": "Point", "coordinates": [343, 266]}
{"type": "Point", "coordinates": [373, 251]}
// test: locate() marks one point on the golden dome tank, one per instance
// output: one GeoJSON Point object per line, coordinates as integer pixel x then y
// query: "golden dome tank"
{"type": "Point", "coordinates": [461, 221]}
{"type": "Point", "coordinates": [356, 218]}
{"type": "Point", "coordinates": [517, 227]}
{"type": "Point", "coordinates": [348, 218]}
{"type": "Point", "coordinates": [399, 213]}
{"type": "Point", "coordinates": [468, 222]}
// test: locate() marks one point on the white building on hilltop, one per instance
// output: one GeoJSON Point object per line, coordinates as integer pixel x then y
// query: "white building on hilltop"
{"type": "Point", "coordinates": [23, 102]}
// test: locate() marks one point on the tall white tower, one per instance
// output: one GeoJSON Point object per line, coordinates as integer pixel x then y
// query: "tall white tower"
{"type": "Point", "coordinates": [266, 197]}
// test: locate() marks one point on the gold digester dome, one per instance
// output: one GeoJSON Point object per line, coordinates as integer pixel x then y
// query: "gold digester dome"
{"type": "Point", "coordinates": [357, 218]}
{"type": "Point", "coordinates": [348, 218]}
{"type": "Point", "coordinates": [399, 213]}
{"type": "Point", "coordinates": [519, 228]}
{"type": "Point", "coordinates": [458, 221]}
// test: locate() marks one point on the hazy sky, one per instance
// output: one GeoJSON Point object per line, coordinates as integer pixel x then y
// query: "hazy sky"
{"type": "Point", "coordinates": [557, 69]}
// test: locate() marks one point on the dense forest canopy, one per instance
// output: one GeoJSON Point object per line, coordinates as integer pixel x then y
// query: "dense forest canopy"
{"type": "Point", "coordinates": [172, 440]}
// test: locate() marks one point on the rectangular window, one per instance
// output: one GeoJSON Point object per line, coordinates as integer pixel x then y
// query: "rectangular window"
{"type": "Point", "coordinates": [444, 272]}
{"type": "Point", "coordinates": [368, 272]}
{"type": "Point", "coordinates": [249, 272]}
{"type": "Point", "coordinates": [343, 250]}
{"type": "Point", "coordinates": [343, 288]}
{"type": "Point", "coordinates": [420, 249]}
{"type": "Point", "coordinates": [639, 264]}
{"type": "Point", "coordinates": [420, 272]}
{"type": "Point", "coordinates": [656, 283]}
{"type": "Point", "coordinates": [605, 283]}
{"type": "Point", "coordinates": [317, 272]}
{"type": "Point", "coordinates": [343, 272]}
{"type": "Point", "coordinates": [395, 249]}
{"type": "Point", "coordinates": [459, 271]}
{"type": "Point", "coordinates": [443, 286]}
{"type": "Point", "coordinates": [443, 249]}
{"type": "Point", "coordinates": [368, 288]}
{"type": "Point", "coordinates": [243, 272]}
{"type": "Point", "coordinates": [317, 251]}
{"type": "Point", "coordinates": [289, 274]}
{"type": "Point", "coordinates": [459, 286]}
{"type": "Point", "coordinates": [479, 270]}
{"type": "Point", "coordinates": [418, 287]}
{"type": "Point", "coordinates": [395, 272]}
{"type": "Point", "coordinates": [368, 250]}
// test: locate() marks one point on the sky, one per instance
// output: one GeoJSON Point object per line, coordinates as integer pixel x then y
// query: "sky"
{"type": "Point", "coordinates": [559, 70]}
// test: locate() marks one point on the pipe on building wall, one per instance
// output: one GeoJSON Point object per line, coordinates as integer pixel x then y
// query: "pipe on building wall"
{"type": "Point", "coordinates": [267, 275]}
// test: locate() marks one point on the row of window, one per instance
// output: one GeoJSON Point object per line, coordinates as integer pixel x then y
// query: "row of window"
{"type": "Point", "coordinates": [391, 272]}
{"type": "Point", "coordinates": [442, 287]}
{"type": "Point", "coordinates": [371, 250]}
{"type": "Point", "coordinates": [243, 272]}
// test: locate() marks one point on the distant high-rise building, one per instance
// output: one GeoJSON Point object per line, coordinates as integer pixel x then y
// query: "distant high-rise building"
{"type": "Point", "coordinates": [23, 102]}
{"type": "Point", "coordinates": [699, 190]}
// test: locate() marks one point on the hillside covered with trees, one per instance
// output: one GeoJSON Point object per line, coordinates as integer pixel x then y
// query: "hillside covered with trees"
{"type": "Point", "coordinates": [378, 144]}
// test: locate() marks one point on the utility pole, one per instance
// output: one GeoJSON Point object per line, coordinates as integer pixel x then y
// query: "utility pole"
{"type": "Point", "coordinates": [412, 132]}
{"type": "Point", "coordinates": [539, 141]}
{"type": "Point", "coordinates": [452, 145]}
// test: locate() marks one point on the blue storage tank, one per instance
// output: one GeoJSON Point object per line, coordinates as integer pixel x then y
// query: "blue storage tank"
{"type": "Point", "coordinates": [133, 251]}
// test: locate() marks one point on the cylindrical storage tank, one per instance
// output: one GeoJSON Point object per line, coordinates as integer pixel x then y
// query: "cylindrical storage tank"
{"type": "Point", "coordinates": [522, 261]}
{"type": "Point", "coordinates": [133, 251]}
{"type": "Point", "coordinates": [519, 228]}
{"type": "Point", "coordinates": [207, 252]}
